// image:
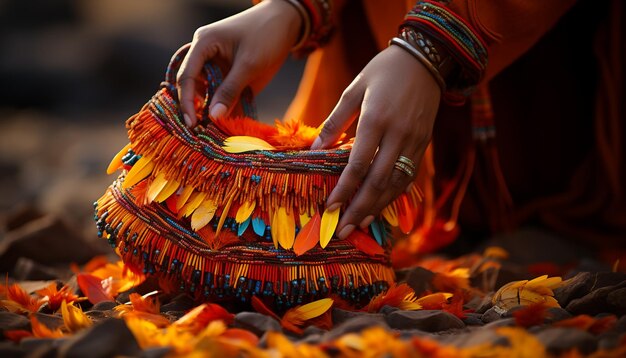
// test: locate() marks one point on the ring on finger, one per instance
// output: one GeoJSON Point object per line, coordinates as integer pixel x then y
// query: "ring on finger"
{"type": "Point", "coordinates": [404, 168]}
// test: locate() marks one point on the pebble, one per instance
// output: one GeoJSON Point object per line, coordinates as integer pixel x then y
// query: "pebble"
{"type": "Point", "coordinates": [557, 340]}
{"type": "Point", "coordinates": [425, 320]}
{"type": "Point", "coordinates": [256, 323]}
{"type": "Point", "coordinates": [13, 321]}
{"type": "Point", "coordinates": [110, 337]}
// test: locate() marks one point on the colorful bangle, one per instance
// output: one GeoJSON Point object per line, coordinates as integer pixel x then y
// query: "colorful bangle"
{"type": "Point", "coordinates": [421, 58]}
{"type": "Point", "coordinates": [319, 16]}
{"type": "Point", "coordinates": [306, 23]}
{"type": "Point", "coordinates": [448, 32]}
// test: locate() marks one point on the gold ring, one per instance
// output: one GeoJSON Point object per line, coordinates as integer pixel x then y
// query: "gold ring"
{"type": "Point", "coordinates": [406, 161]}
{"type": "Point", "coordinates": [404, 168]}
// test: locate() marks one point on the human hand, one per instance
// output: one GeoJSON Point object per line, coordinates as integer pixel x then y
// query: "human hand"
{"type": "Point", "coordinates": [396, 100]}
{"type": "Point", "coordinates": [251, 45]}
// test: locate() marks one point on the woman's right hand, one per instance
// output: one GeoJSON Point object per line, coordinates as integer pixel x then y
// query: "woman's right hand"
{"type": "Point", "coordinates": [251, 45]}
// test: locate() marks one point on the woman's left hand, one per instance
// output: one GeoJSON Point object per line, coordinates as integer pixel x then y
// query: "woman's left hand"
{"type": "Point", "coordinates": [396, 100]}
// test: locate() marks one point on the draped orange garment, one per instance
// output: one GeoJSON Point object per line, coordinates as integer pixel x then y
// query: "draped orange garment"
{"type": "Point", "coordinates": [575, 189]}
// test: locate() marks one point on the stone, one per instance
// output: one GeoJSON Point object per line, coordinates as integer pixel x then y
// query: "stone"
{"type": "Point", "coordinates": [617, 299]}
{"type": "Point", "coordinates": [388, 309]}
{"type": "Point", "coordinates": [12, 321]}
{"type": "Point", "coordinates": [104, 306]}
{"type": "Point", "coordinates": [557, 340]}
{"type": "Point", "coordinates": [504, 322]}
{"type": "Point", "coordinates": [51, 321]}
{"type": "Point", "coordinates": [425, 320]}
{"type": "Point", "coordinates": [473, 319]}
{"type": "Point", "coordinates": [155, 352]}
{"type": "Point", "coordinates": [256, 323]}
{"type": "Point", "coordinates": [485, 303]}
{"type": "Point", "coordinates": [473, 338]}
{"type": "Point", "coordinates": [339, 315]}
{"type": "Point", "coordinates": [597, 302]}
{"type": "Point", "coordinates": [556, 314]}
{"type": "Point", "coordinates": [584, 283]}
{"type": "Point", "coordinates": [491, 315]}
{"type": "Point", "coordinates": [181, 302]}
{"type": "Point", "coordinates": [355, 325]}
{"type": "Point", "coordinates": [9, 350]}
{"type": "Point", "coordinates": [110, 337]}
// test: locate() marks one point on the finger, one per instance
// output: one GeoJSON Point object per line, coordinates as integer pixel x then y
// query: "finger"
{"type": "Point", "coordinates": [340, 118]}
{"type": "Point", "coordinates": [399, 182]}
{"type": "Point", "coordinates": [376, 184]}
{"type": "Point", "coordinates": [190, 69]}
{"type": "Point", "coordinates": [229, 90]}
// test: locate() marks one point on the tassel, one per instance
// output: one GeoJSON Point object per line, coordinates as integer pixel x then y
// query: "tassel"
{"type": "Point", "coordinates": [308, 236]}
{"type": "Point", "coordinates": [328, 226]}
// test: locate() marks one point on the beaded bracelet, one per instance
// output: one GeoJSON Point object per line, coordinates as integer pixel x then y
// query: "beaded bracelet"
{"type": "Point", "coordinates": [321, 26]}
{"type": "Point", "coordinates": [449, 33]}
{"type": "Point", "coordinates": [421, 58]}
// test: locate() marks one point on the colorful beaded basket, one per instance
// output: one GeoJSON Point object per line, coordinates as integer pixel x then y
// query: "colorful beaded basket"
{"type": "Point", "coordinates": [235, 208]}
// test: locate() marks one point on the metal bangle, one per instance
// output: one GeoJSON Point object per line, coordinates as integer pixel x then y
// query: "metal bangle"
{"type": "Point", "coordinates": [306, 24]}
{"type": "Point", "coordinates": [421, 58]}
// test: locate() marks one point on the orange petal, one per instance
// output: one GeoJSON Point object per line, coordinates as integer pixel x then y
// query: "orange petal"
{"type": "Point", "coordinates": [328, 226]}
{"type": "Point", "coordinates": [308, 236]}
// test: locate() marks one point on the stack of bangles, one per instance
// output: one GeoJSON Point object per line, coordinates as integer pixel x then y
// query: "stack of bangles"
{"type": "Point", "coordinates": [316, 24]}
{"type": "Point", "coordinates": [446, 45]}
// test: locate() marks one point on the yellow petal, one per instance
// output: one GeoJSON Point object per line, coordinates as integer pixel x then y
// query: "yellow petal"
{"type": "Point", "coordinates": [116, 162]}
{"type": "Point", "coordinates": [156, 186]}
{"type": "Point", "coordinates": [203, 214]}
{"type": "Point", "coordinates": [314, 309]}
{"type": "Point", "coordinates": [244, 211]}
{"type": "Point", "coordinates": [139, 171]}
{"type": "Point", "coordinates": [304, 219]}
{"type": "Point", "coordinates": [283, 227]}
{"type": "Point", "coordinates": [169, 189]}
{"type": "Point", "coordinates": [74, 318]}
{"type": "Point", "coordinates": [183, 197]}
{"type": "Point", "coordinates": [328, 226]}
{"type": "Point", "coordinates": [240, 144]}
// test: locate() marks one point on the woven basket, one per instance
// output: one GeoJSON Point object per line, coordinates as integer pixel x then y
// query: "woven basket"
{"type": "Point", "coordinates": [223, 225]}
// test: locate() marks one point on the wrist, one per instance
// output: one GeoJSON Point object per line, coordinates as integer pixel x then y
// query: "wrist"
{"type": "Point", "coordinates": [291, 16]}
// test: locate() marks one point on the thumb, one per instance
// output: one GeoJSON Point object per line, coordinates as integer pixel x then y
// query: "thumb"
{"type": "Point", "coordinates": [339, 119]}
{"type": "Point", "coordinates": [228, 92]}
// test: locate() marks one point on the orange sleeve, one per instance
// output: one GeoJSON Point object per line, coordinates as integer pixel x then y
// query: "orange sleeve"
{"type": "Point", "coordinates": [510, 27]}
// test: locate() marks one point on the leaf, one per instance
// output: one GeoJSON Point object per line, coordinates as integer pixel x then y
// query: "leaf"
{"type": "Point", "coordinates": [522, 293]}
{"type": "Point", "coordinates": [283, 227]}
{"type": "Point", "coordinates": [260, 307]}
{"type": "Point", "coordinates": [240, 144]}
{"type": "Point", "coordinates": [144, 303]}
{"type": "Point", "coordinates": [55, 297]}
{"type": "Point", "coordinates": [199, 318]}
{"type": "Point", "coordinates": [91, 286]}
{"type": "Point", "coordinates": [203, 214]}
{"type": "Point", "coordinates": [158, 183]}
{"type": "Point", "coordinates": [74, 318]}
{"type": "Point", "coordinates": [258, 225]}
{"type": "Point", "coordinates": [40, 330]}
{"type": "Point", "coordinates": [395, 296]}
{"type": "Point", "coordinates": [454, 281]}
{"type": "Point", "coordinates": [531, 315]}
{"type": "Point", "coordinates": [328, 226]}
{"type": "Point", "coordinates": [296, 317]}
{"type": "Point", "coordinates": [20, 301]}
{"type": "Point", "coordinates": [365, 243]}
{"type": "Point", "coordinates": [308, 236]}
{"type": "Point", "coordinates": [116, 162]}
{"type": "Point", "coordinates": [238, 334]}
{"type": "Point", "coordinates": [244, 211]}
{"type": "Point", "coordinates": [16, 335]}
{"type": "Point", "coordinates": [142, 168]}
{"type": "Point", "coordinates": [587, 323]}
{"type": "Point", "coordinates": [435, 301]}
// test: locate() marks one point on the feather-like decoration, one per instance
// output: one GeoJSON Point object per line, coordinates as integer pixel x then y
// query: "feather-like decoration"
{"type": "Point", "coordinates": [293, 134]}
{"type": "Point", "coordinates": [364, 243]}
{"type": "Point", "coordinates": [245, 126]}
{"type": "Point", "coordinates": [225, 211]}
{"type": "Point", "coordinates": [308, 236]}
{"type": "Point", "coordinates": [258, 225]}
{"type": "Point", "coordinates": [304, 219]}
{"type": "Point", "coordinates": [240, 144]}
{"type": "Point", "coordinates": [142, 168]}
{"type": "Point", "coordinates": [328, 226]}
{"type": "Point", "coordinates": [260, 307]}
{"type": "Point", "coordinates": [243, 226]}
{"type": "Point", "coordinates": [244, 211]}
{"type": "Point", "coordinates": [522, 293]}
{"type": "Point", "coordinates": [158, 183]}
{"type": "Point", "coordinates": [406, 215]}
{"type": "Point", "coordinates": [116, 162]}
{"type": "Point", "coordinates": [296, 317]}
{"type": "Point", "coordinates": [203, 214]}
{"type": "Point", "coordinates": [283, 227]}
{"type": "Point", "coordinates": [390, 213]}
{"type": "Point", "coordinates": [378, 230]}
{"type": "Point", "coordinates": [183, 197]}
{"type": "Point", "coordinates": [167, 191]}
{"type": "Point", "coordinates": [192, 204]}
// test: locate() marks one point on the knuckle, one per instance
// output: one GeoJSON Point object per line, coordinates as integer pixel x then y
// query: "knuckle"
{"type": "Point", "coordinates": [329, 129]}
{"type": "Point", "coordinates": [379, 182]}
{"type": "Point", "coordinates": [228, 92]}
{"type": "Point", "coordinates": [357, 168]}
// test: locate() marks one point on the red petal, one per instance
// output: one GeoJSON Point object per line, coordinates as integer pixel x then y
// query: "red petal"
{"type": "Point", "coordinates": [365, 243]}
{"type": "Point", "coordinates": [92, 288]}
{"type": "Point", "coordinates": [308, 236]}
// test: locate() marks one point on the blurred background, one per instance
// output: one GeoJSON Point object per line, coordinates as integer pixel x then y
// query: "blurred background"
{"type": "Point", "coordinates": [71, 73]}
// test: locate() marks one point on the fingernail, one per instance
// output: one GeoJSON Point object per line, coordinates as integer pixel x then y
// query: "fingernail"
{"type": "Point", "coordinates": [366, 222]}
{"type": "Point", "coordinates": [187, 120]}
{"type": "Point", "coordinates": [333, 207]}
{"type": "Point", "coordinates": [317, 144]}
{"type": "Point", "coordinates": [218, 110]}
{"type": "Point", "coordinates": [347, 230]}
